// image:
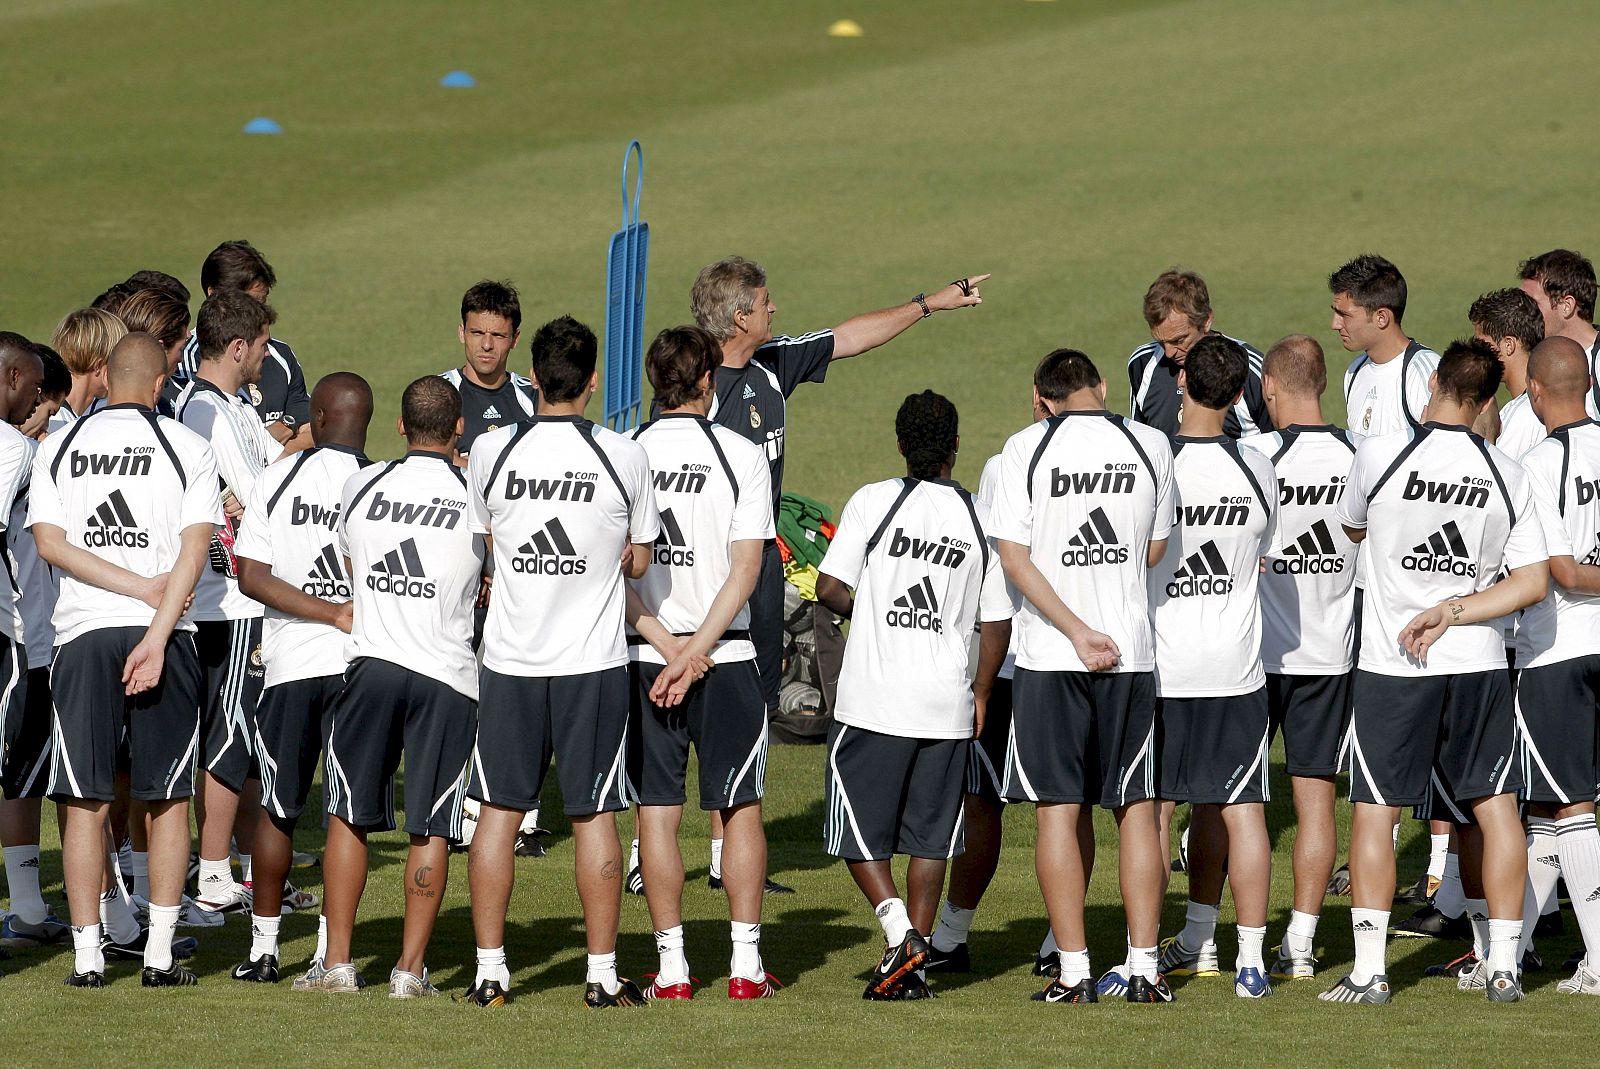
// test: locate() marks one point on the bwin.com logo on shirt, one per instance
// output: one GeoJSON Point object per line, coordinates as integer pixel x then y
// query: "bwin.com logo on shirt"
{"type": "Point", "coordinates": [917, 608]}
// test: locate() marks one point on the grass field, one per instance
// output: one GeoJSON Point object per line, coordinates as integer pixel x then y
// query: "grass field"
{"type": "Point", "coordinates": [1074, 149]}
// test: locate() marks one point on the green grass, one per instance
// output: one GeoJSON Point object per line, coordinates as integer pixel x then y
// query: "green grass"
{"type": "Point", "coordinates": [1074, 149]}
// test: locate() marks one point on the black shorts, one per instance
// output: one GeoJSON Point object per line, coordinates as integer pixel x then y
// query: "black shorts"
{"type": "Point", "coordinates": [1214, 750]}
{"type": "Point", "coordinates": [724, 716]}
{"type": "Point", "coordinates": [1556, 708]}
{"type": "Point", "coordinates": [231, 678]}
{"type": "Point", "coordinates": [986, 764]}
{"type": "Point", "coordinates": [890, 795]}
{"type": "Point", "coordinates": [92, 720]}
{"type": "Point", "coordinates": [1313, 712]}
{"type": "Point", "coordinates": [1081, 737]}
{"type": "Point", "coordinates": [382, 711]}
{"type": "Point", "coordinates": [24, 725]}
{"type": "Point", "coordinates": [1455, 733]}
{"type": "Point", "coordinates": [581, 719]}
{"type": "Point", "coordinates": [291, 729]}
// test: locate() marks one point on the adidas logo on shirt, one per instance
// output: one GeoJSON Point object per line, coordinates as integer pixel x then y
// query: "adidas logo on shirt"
{"type": "Point", "coordinates": [303, 512]}
{"type": "Point", "coordinates": [948, 551]}
{"type": "Point", "coordinates": [133, 460]}
{"type": "Point", "coordinates": [491, 412]}
{"type": "Point", "coordinates": [1593, 556]}
{"type": "Point", "coordinates": [690, 479]}
{"type": "Point", "coordinates": [549, 552]}
{"type": "Point", "coordinates": [112, 524]}
{"type": "Point", "coordinates": [1202, 572]}
{"type": "Point", "coordinates": [1313, 553]}
{"type": "Point", "coordinates": [917, 608]}
{"type": "Point", "coordinates": [1471, 492]}
{"type": "Point", "coordinates": [671, 547]}
{"type": "Point", "coordinates": [1095, 543]}
{"type": "Point", "coordinates": [1444, 551]}
{"type": "Point", "coordinates": [400, 573]}
{"type": "Point", "coordinates": [1116, 479]}
{"type": "Point", "coordinates": [749, 394]}
{"type": "Point", "coordinates": [326, 578]}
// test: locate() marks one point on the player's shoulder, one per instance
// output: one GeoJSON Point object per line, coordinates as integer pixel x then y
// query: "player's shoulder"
{"type": "Point", "coordinates": [283, 351]}
{"type": "Point", "coordinates": [452, 376]}
{"type": "Point", "coordinates": [1387, 445]}
{"type": "Point", "coordinates": [1143, 354]}
{"type": "Point", "coordinates": [14, 441]}
{"type": "Point", "coordinates": [1251, 353]}
{"type": "Point", "coordinates": [875, 496]}
{"type": "Point", "coordinates": [184, 439]}
{"type": "Point", "coordinates": [1256, 460]}
{"type": "Point", "coordinates": [991, 470]}
{"type": "Point", "coordinates": [1152, 439]}
{"type": "Point", "coordinates": [492, 442]}
{"type": "Point", "coordinates": [737, 448]}
{"type": "Point", "coordinates": [1027, 439]}
{"type": "Point", "coordinates": [521, 382]}
{"type": "Point", "coordinates": [1420, 359]}
{"type": "Point", "coordinates": [1267, 443]}
{"type": "Point", "coordinates": [618, 446]}
{"type": "Point", "coordinates": [361, 477]}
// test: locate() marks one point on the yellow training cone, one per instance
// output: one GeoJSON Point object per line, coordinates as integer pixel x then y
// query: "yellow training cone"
{"type": "Point", "coordinates": [845, 28]}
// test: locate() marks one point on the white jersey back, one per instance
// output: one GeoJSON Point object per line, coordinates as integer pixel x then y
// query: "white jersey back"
{"type": "Point", "coordinates": [1564, 478]}
{"type": "Point", "coordinates": [1444, 511]}
{"type": "Point", "coordinates": [1087, 492]}
{"type": "Point", "coordinates": [291, 525]}
{"type": "Point", "coordinates": [16, 467]}
{"type": "Point", "coordinates": [712, 487]}
{"type": "Point", "coordinates": [123, 483]}
{"type": "Point", "coordinates": [242, 447]}
{"type": "Point", "coordinates": [1520, 429]}
{"type": "Point", "coordinates": [1203, 599]}
{"type": "Point", "coordinates": [1388, 397]}
{"type": "Point", "coordinates": [415, 564]}
{"type": "Point", "coordinates": [562, 498]}
{"type": "Point", "coordinates": [1308, 593]}
{"type": "Point", "coordinates": [924, 575]}
{"type": "Point", "coordinates": [34, 582]}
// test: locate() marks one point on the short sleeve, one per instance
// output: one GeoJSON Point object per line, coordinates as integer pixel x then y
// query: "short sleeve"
{"type": "Point", "coordinates": [986, 485]}
{"type": "Point", "coordinates": [798, 360]}
{"type": "Point", "coordinates": [1525, 545]}
{"type": "Point", "coordinates": [752, 513]}
{"type": "Point", "coordinates": [1547, 506]}
{"type": "Point", "coordinates": [644, 522]}
{"type": "Point", "coordinates": [1011, 516]}
{"type": "Point", "coordinates": [1418, 376]}
{"type": "Point", "coordinates": [1166, 496]}
{"type": "Point", "coordinates": [1268, 477]}
{"type": "Point", "coordinates": [479, 463]}
{"type": "Point", "coordinates": [847, 551]}
{"type": "Point", "coordinates": [44, 496]}
{"type": "Point", "coordinates": [200, 503]}
{"type": "Point", "coordinates": [1353, 506]}
{"type": "Point", "coordinates": [997, 599]}
{"type": "Point", "coordinates": [16, 464]}
{"type": "Point", "coordinates": [254, 541]}
{"type": "Point", "coordinates": [297, 403]}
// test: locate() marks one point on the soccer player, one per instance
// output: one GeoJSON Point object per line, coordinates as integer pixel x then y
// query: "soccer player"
{"type": "Point", "coordinates": [84, 339]}
{"type": "Point", "coordinates": [279, 395]}
{"type": "Point", "coordinates": [1509, 322]}
{"type": "Point", "coordinates": [166, 318]}
{"type": "Point", "coordinates": [1443, 512]}
{"type": "Point", "coordinates": [491, 395]}
{"type": "Point", "coordinates": [1214, 718]}
{"type": "Point", "coordinates": [1386, 386]}
{"type": "Point", "coordinates": [918, 557]}
{"type": "Point", "coordinates": [1307, 609]}
{"type": "Point", "coordinates": [414, 566]}
{"type": "Point", "coordinates": [1084, 506]}
{"type": "Point", "coordinates": [562, 501]}
{"type": "Point", "coordinates": [123, 504]}
{"type": "Point", "coordinates": [1558, 685]}
{"type": "Point", "coordinates": [289, 562]}
{"type": "Point", "coordinates": [1177, 309]}
{"type": "Point", "coordinates": [1561, 282]}
{"type": "Point", "coordinates": [715, 503]}
{"type": "Point", "coordinates": [53, 390]}
{"type": "Point", "coordinates": [232, 338]}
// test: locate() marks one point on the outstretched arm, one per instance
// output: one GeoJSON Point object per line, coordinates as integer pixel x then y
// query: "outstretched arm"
{"type": "Point", "coordinates": [868, 331]}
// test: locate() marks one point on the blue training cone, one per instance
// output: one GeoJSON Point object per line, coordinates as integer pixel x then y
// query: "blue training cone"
{"type": "Point", "coordinates": [458, 80]}
{"type": "Point", "coordinates": [262, 125]}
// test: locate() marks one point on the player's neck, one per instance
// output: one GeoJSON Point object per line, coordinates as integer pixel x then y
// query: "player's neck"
{"type": "Point", "coordinates": [1580, 331]}
{"type": "Point", "coordinates": [1298, 412]}
{"type": "Point", "coordinates": [1563, 413]}
{"type": "Point", "coordinates": [1199, 422]}
{"type": "Point", "coordinates": [223, 374]}
{"type": "Point", "coordinates": [1448, 413]}
{"type": "Point", "coordinates": [944, 472]}
{"type": "Point", "coordinates": [1516, 377]}
{"type": "Point", "coordinates": [342, 438]}
{"type": "Point", "coordinates": [560, 409]}
{"type": "Point", "coordinates": [78, 397]}
{"type": "Point", "coordinates": [1390, 344]}
{"type": "Point", "coordinates": [432, 449]}
{"type": "Point", "coordinates": [491, 382]}
{"type": "Point", "coordinates": [739, 350]}
{"type": "Point", "coordinates": [700, 406]}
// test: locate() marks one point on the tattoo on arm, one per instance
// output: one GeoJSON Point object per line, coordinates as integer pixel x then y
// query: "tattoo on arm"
{"type": "Point", "coordinates": [1456, 609]}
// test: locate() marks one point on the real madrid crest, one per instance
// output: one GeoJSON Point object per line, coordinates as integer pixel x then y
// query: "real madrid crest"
{"type": "Point", "coordinates": [255, 657]}
{"type": "Point", "coordinates": [755, 417]}
{"type": "Point", "coordinates": [255, 394]}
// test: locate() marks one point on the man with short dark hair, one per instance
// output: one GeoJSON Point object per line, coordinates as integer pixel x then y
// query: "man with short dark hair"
{"type": "Point", "coordinates": [1386, 386]}
{"type": "Point", "coordinates": [1562, 284]}
{"type": "Point", "coordinates": [1510, 323]}
{"type": "Point", "coordinates": [491, 395]}
{"type": "Point", "coordinates": [1177, 309]}
{"type": "Point", "coordinates": [1444, 512]}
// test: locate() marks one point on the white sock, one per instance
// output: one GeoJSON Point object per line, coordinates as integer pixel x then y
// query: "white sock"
{"type": "Point", "coordinates": [1142, 962]}
{"type": "Point", "coordinates": [1302, 933]}
{"type": "Point", "coordinates": [892, 916]}
{"type": "Point", "coordinates": [117, 918]}
{"type": "Point", "coordinates": [139, 869]}
{"type": "Point", "coordinates": [603, 971]}
{"type": "Point", "coordinates": [1199, 925]}
{"type": "Point", "coordinates": [1394, 836]}
{"type": "Point", "coordinates": [22, 876]}
{"type": "Point", "coordinates": [492, 966]}
{"type": "Point", "coordinates": [1579, 844]}
{"type": "Point", "coordinates": [1450, 899]}
{"type": "Point", "coordinates": [322, 940]}
{"type": "Point", "coordinates": [1478, 914]}
{"type": "Point", "coordinates": [1074, 966]}
{"type": "Point", "coordinates": [158, 945]}
{"type": "Point", "coordinates": [1250, 940]}
{"type": "Point", "coordinates": [1049, 946]}
{"type": "Point", "coordinates": [216, 878]}
{"type": "Point", "coordinates": [86, 955]}
{"type": "Point", "coordinates": [1544, 869]}
{"type": "Point", "coordinates": [953, 928]}
{"type": "Point", "coordinates": [746, 952]}
{"type": "Point", "coordinates": [716, 858]}
{"type": "Point", "coordinates": [633, 856]}
{"type": "Point", "coordinates": [1371, 930]}
{"type": "Point", "coordinates": [1438, 848]}
{"type": "Point", "coordinates": [1503, 938]}
{"type": "Point", "coordinates": [264, 936]}
{"type": "Point", "coordinates": [245, 875]}
{"type": "Point", "coordinates": [530, 821]}
{"type": "Point", "coordinates": [674, 963]}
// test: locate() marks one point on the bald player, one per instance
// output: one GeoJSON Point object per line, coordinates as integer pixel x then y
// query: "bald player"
{"type": "Point", "coordinates": [289, 562]}
{"type": "Point", "coordinates": [123, 504]}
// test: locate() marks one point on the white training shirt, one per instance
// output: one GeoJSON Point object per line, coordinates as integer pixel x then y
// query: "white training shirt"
{"type": "Point", "coordinates": [123, 483]}
{"type": "Point", "coordinates": [415, 564]}
{"type": "Point", "coordinates": [1203, 599]}
{"type": "Point", "coordinates": [924, 575]}
{"type": "Point", "coordinates": [1520, 429]}
{"type": "Point", "coordinates": [243, 448]}
{"type": "Point", "coordinates": [987, 483]}
{"type": "Point", "coordinates": [1564, 477]}
{"type": "Point", "coordinates": [562, 499]}
{"type": "Point", "coordinates": [1444, 513]}
{"type": "Point", "coordinates": [291, 525]}
{"type": "Point", "coordinates": [712, 488]}
{"type": "Point", "coordinates": [35, 582]}
{"type": "Point", "coordinates": [1087, 492]}
{"type": "Point", "coordinates": [1388, 397]}
{"type": "Point", "coordinates": [1308, 593]}
{"type": "Point", "coordinates": [16, 466]}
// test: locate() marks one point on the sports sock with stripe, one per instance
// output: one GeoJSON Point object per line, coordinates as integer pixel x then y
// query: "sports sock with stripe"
{"type": "Point", "coordinates": [1199, 925]}
{"type": "Point", "coordinates": [602, 970]}
{"type": "Point", "coordinates": [1074, 966]}
{"type": "Point", "coordinates": [1544, 869]}
{"type": "Point", "coordinates": [633, 856]}
{"type": "Point", "coordinates": [1579, 843]}
{"type": "Point", "coordinates": [322, 940]}
{"type": "Point", "coordinates": [1250, 940]}
{"type": "Point", "coordinates": [1302, 934]}
{"type": "Point", "coordinates": [1142, 962]}
{"type": "Point", "coordinates": [1371, 930]}
{"type": "Point", "coordinates": [1438, 849]}
{"type": "Point", "coordinates": [955, 924]}
{"type": "Point", "coordinates": [1450, 899]}
{"type": "Point", "coordinates": [22, 877]}
{"type": "Point", "coordinates": [1503, 938]}
{"type": "Point", "coordinates": [139, 869]}
{"type": "Point", "coordinates": [492, 966]}
{"type": "Point", "coordinates": [746, 951]}
{"type": "Point", "coordinates": [894, 920]}
{"type": "Point", "coordinates": [716, 858]}
{"type": "Point", "coordinates": [1478, 914]}
{"type": "Point", "coordinates": [246, 871]}
{"type": "Point", "coordinates": [86, 954]}
{"type": "Point", "coordinates": [216, 878]}
{"type": "Point", "coordinates": [674, 965]}
{"type": "Point", "coordinates": [158, 944]}
{"type": "Point", "coordinates": [263, 936]}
